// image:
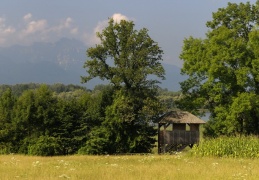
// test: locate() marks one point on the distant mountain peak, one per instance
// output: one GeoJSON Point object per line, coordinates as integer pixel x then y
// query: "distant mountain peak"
{"type": "Point", "coordinates": [58, 62]}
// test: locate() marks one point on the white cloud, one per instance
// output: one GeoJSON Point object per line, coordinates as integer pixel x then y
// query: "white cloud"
{"type": "Point", "coordinates": [35, 26]}
{"type": "Point", "coordinates": [92, 39]}
{"type": "Point", "coordinates": [117, 17]}
{"type": "Point", "coordinates": [27, 17]}
{"type": "Point", "coordinates": [2, 22]}
{"type": "Point", "coordinates": [100, 26]}
{"type": "Point", "coordinates": [64, 25]}
{"type": "Point", "coordinates": [31, 29]}
{"type": "Point", "coordinates": [74, 31]}
{"type": "Point", "coordinates": [5, 31]}
{"type": "Point", "coordinates": [68, 22]}
{"type": "Point", "coordinates": [9, 30]}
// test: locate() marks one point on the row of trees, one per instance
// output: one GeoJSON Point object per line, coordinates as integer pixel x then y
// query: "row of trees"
{"type": "Point", "coordinates": [41, 121]}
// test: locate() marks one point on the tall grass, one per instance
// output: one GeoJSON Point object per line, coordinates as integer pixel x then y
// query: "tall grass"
{"type": "Point", "coordinates": [217, 162]}
{"type": "Point", "coordinates": [156, 167]}
{"type": "Point", "coordinates": [237, 147]}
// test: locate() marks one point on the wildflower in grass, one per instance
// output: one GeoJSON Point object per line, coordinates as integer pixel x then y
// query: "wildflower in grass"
{"type": "Point", "coordinates": [14, 161]}
{"type": "Point", "coordinates": [239, 176]}
{"type": "Point", "coordinates": [36, 163]}
{"type": "Point", "coordinates": [66, 164]}
{"type": "Point", "coordinates": [118, 157]}
{"type": "Point", "coordinates": [114, 165]}
{"type": "Point", "coordinates": [64, 176]}
{"type": "Point", "coordinates": [125, 158]}
{"type": "Point", "coordinates": [215, 164]}
{"type": "Point", "coordinates": [185, 160]}
{"type": "Point", "coordinates": [178, 156]}
{"type": "Point", "coordinates": [60, 161]}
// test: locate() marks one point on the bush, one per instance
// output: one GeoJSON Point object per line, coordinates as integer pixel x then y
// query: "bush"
{"type": "Point", "coordinates": [5, 148]}
{"type": "Point", "coordinates": [45, 146]}
{"type": "Point", "coordinates": [98, 143]}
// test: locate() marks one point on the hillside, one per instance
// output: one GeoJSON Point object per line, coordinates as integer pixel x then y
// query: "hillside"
{"type": "Point", "coordinates": [59, 62]}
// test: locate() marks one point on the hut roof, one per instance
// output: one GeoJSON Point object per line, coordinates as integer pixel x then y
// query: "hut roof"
{"type": "Point", "coordinates": [180, 117]}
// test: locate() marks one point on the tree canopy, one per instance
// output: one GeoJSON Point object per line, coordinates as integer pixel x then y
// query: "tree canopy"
{"type": "Point", "coordinates": [125, 56]}
{"type": "Point", "coordinates": [128, 59]}
{"type": "Point", "coordinates": [223, 71]}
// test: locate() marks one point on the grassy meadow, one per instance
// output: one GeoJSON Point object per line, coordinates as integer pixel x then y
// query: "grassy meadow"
{"type": "Point", "coordinates": [177, 166]}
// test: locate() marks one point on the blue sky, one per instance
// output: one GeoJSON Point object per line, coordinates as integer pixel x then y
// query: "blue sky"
{"type": "Point", "coordinates": [169, 21]}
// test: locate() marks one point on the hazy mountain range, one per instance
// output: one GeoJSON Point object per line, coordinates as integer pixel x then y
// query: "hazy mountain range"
{"type": "Point", "coordinates": [60, 62]}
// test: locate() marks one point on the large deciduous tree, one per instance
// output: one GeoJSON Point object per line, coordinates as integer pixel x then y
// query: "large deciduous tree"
{"type": "Point", "coordinates": [223, 70]}
{"type": "Point", "coordinates": [128, 59]}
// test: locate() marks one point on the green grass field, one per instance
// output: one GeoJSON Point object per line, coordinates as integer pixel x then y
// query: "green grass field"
{"type": "Point", "coordinates": [127, 167]}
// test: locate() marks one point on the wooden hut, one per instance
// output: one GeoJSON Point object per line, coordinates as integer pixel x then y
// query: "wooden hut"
{"type": "Point", "coordinates": [177, 130]}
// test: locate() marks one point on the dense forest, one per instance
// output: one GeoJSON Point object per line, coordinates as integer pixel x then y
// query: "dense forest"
{"type": "Point", "coordinates": [40, 119]}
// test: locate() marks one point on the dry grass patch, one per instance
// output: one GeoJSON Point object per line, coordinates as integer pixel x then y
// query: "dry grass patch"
{"type": "Point", "coordinates": [127, 167]}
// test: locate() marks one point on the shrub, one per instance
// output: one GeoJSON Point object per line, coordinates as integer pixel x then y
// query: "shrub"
{"type": "Point", "coordinates": [98, 142]}
{"type": "Point", "coordinates": [5, 148]}
{"type": "Point", "coordinates": [45, 146]}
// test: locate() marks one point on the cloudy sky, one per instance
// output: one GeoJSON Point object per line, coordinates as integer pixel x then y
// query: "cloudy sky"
{"type": "Point", "coordinates": [169, 21]}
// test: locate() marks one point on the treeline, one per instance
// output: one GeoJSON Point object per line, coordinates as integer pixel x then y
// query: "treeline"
{"type": "Point", "coordinates": [18, 89]}
{"type": "Point", "coordinates": [58, 119]}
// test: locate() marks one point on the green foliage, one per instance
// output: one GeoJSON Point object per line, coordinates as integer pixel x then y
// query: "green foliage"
{"type": "Point", "coordinates": [168, 98]}
{"type": "Point", "coordinates": [133, 55]}
{"type": "Point", "coordinates": [100, 99]}
{"type": "Point", "coordinates": [18, 89]}
{"type": "Point", "coordinates": [129, 131]}
{"type": "Point", "coordinates": [34, 113]}
{"type": "Point", "coordinates": [45, 146]}
{"type": "Point", "coordinates": [6, 148]}
{"type": "Point", "coordinates": [7, 102]}
{"type": "Point", "coordinates": [122, 131]}
{"type": "Point", "coordinates": [237, 147]}
{"type": "Point", "coordinates": [39, 116]}
{"type": "Point", "coordinates": [125, 57]}
{"type": "Point", "coordinates": [73, 124]}
{"type": "Point", "coordinates": [98, 142]}
{"type": "Point", "coordinates": [223, 71]}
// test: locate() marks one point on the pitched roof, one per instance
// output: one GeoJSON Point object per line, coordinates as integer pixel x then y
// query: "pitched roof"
{"type": "Point", "coordinates": [181, 117]}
